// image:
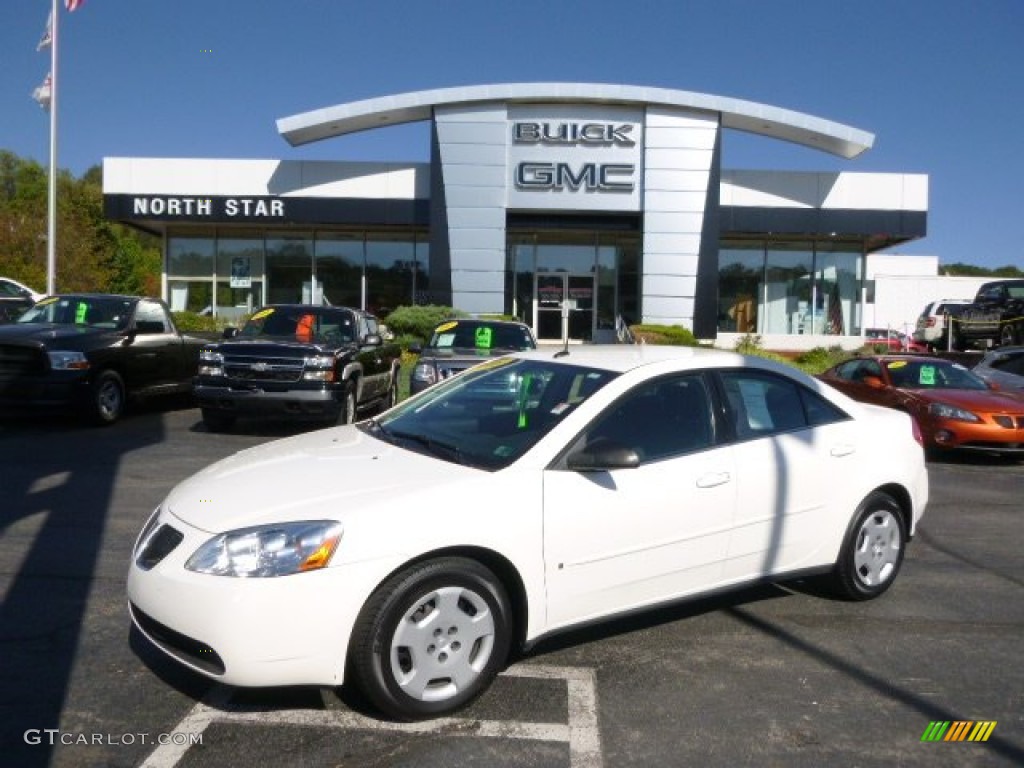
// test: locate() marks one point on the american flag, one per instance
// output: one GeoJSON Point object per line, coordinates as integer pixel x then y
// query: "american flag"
{"type": "Point", "coordinates": [73, 5]}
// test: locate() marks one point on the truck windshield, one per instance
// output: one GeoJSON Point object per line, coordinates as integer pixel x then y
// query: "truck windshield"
{"type": "Point", "coordinates": [93, 311]}
{"type": "Point", "coordinates": [309, 324]}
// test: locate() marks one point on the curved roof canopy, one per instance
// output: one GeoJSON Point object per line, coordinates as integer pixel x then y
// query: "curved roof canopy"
{"type": "Point", "coordinates": [416, 106]}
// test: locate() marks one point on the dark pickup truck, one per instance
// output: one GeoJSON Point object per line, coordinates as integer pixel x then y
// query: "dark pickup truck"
{"type": "Point", "coordinates": [301, 362]}
{"type": "Point", "coordinates": [93, 351]}
{"type": "Point", "coordinates": [995, 317]}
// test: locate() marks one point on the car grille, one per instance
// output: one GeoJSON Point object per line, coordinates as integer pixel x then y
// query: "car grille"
{"type": "Point", "coordinates": [256, 369]}
{"type": "Point", "coordinates": [20, 361]}
{"type": "Point", "coordinates": [189, 649]}
{"type": "Point", "coordinates": [158, 546]}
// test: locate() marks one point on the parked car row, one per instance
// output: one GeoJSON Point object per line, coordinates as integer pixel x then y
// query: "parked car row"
{"type": "Point", "coordinates": [92, 352]}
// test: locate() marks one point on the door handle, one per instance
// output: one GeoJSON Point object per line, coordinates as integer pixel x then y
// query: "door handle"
{"type": "Point", "coordinates": [842, 450]}
{"type": "Point", "coordinates": [713, 479]}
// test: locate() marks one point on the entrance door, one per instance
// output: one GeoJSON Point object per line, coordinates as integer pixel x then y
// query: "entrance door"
{"type": "Point", "coordinates": [552, 290]}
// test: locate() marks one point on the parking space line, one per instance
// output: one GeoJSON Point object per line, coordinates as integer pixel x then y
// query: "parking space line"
{"type": "Point", "coordinates": [582, 733]}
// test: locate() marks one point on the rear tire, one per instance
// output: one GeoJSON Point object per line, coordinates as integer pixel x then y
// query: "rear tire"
{"type": "Point", "coordinates": [431, 638]}
{"type": "Point", "coordinates": [873, 550]}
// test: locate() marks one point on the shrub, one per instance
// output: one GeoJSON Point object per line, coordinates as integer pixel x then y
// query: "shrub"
{"type": "Point", "coordinates": [419, 321]}
{"type": "Point", "coordinates": [193, 322]}
{"type": "Point", "coordinates": [674, 335]}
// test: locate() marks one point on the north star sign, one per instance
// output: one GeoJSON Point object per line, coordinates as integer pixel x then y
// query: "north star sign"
{"type": "Point", "coordinates": [227, 207]}
{"type": "Point", "coordinates": [557, 175]}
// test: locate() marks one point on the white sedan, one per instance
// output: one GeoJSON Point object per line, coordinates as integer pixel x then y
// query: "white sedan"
{"type": "Point", "coordinates": [411, 554]}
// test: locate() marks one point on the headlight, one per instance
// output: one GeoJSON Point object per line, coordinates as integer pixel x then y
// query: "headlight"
{"type": "Point", "coordinates": [211, 363]}
{"type": "Point", "coordinates": [319, 368]}
{"type": "Point", "coordinates": [424, 372]}
{"type": "Point", "coordinates": [66, 360]}
{"type": "Point", "coordinates": [268, 550]}
{"type": "Point", "coordinates": [945, 411]}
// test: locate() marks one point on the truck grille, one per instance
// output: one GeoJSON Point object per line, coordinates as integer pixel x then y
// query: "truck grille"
{"type": "Point", "coordinates": [257, 369]}
{"type": "Point", "coordinates": [20, 361]}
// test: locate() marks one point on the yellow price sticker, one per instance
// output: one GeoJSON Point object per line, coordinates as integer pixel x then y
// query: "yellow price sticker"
{"type": "Point", "coordinates": [44, 302]}
{"type": "Point", "coordinates": [445, 327]}
{"type": "Point", "coordinates": [262, 313]}
{"type": "Point", "coordinates": [897, 364]}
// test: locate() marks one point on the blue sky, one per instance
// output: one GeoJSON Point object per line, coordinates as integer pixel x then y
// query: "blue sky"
{"type": "Point", "coordinates": [939, 82]}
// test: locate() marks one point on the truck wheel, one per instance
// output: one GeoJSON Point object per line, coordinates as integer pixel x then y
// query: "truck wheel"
{"type": "Point", "coordinates": [217, 421]}
{"type": "Point", "coordinates": [107, 398]}
{"type": "Point", "coordinates": [348, 405]}
{"type": "Point", "coordinates": [1007, 337]}
{"type": "Point", "coordinates": [391, 397]}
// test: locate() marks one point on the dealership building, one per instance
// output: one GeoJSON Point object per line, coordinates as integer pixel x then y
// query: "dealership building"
{"type": "Point", "coordinates": [574, 207]}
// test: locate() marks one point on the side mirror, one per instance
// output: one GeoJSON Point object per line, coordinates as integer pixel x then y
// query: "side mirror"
{"type": "Point", "coordinates": [372, 340]}
{"type": "Point", "coordinates": [415, 348]}
{"type": "Point", "coordinates": [229, 333]}
{"type": "Point", "coordinates": [873, 382]}
{"type": "Point", "coordinates": [601, 456]}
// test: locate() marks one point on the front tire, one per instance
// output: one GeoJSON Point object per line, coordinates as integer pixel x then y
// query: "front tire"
{"type": "Point", "coordinates": [107, 398]}
{"type": "Point", "coordinates": [873, 550]}
{"type": "Point", "coordinates": [1007, 336]}
{"type": "Point", "coordinates": [349, 409]}
{"type": "Point", "coordinates": [431, 638]}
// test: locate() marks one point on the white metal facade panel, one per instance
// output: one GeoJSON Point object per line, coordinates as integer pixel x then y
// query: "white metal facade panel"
{"type": "Point", "coordinates": [472, 146]}
{"type": "Point", "coordinates": [677, 140]}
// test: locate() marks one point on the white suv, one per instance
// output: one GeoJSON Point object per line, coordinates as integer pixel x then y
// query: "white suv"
{"type": "Point", "coordinates": [931, 325]}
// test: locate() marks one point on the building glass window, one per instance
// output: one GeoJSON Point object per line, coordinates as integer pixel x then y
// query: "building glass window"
{"type": "Point", "coordinates": [339, 267]}
{"type": "Point", "coordinates": [837, 281]}
{"type": "Point", "coordinates": [790, 301]}
{"type": "Point", "coordinates": [240, 275]}
{"type": "Point", "coordinates": [290, 270]}
{"type": "Point", "coordinates": [740, 284]}
{"type": "Point", "coordinates": [421, 275]}
{"type": "Point", "coordinates": [190, 273]}
{"type": "Point", "coordinates": [390, 271]}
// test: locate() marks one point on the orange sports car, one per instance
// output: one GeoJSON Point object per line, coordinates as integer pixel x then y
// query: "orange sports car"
{"type": "Point", "coordinates": [953, 407]}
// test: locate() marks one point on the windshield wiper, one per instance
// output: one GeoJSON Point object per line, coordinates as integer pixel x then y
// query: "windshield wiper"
{"type": "Point", "coordinates": [432, 445]}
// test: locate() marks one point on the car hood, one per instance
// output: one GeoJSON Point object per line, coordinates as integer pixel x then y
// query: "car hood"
{"type": "Point", "coordinates": [49, 333]}
{"type": "Point", "coordinates": [985, 400]}
{"type": "Point", "coordinates": [276, 344]}
{"type": "Point", "coordinates": [327, 474]}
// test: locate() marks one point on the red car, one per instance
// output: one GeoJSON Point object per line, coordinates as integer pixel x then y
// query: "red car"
{"type": "Point", "coordinates": [953, 407]}
{"type": "Point", "coordinates": [894, 341]}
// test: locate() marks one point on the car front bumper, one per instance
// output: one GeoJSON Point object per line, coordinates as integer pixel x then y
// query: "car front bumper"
{"type": "Point", "coordinates": [286, 630]}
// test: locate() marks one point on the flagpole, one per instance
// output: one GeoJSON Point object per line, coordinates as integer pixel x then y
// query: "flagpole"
{"type": "Point", "coordinates": [51, 226]}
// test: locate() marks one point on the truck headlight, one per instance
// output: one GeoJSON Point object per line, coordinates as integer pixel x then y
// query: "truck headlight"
{"type": "Point", "coordinates": [268, 550]}
{"type": "Point", "coordinates": [425, 372]}
{"type": "Point", "coordinates": [211, 363]}
{"type": "Point", "coordinates": [67, 360]}
{"type": "Point", "coordinates": [319, 368]}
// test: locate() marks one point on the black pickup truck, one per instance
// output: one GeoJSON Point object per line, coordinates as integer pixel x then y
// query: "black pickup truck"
{"type": "Point", "coordinates": [301, 362]}
{"type": "Point", "coordinates": [93, 351]}
{"type": "Point", "coordinates": [995, 317]}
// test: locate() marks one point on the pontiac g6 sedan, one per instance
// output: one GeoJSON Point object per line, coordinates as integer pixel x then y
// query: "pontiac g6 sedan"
{"type": "Point", "coordinates": [411, 554]}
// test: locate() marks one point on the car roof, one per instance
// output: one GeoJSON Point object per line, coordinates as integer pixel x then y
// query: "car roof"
{"type": "Point", "coordinates": [482, 321]}
{"type": "Point", "coordinates": [626, 357]}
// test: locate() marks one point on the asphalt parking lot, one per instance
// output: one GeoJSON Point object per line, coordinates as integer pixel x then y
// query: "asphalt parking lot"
{"type": "Point", "coordinates": [774, 675]}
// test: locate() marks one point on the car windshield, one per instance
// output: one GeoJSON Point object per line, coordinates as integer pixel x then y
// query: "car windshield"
{"type": "Point", "coordinates": [83, 311]}
{"type": "Point", "coordinates": [481, 336]}
{"type": "Point", "coordinates": [319, 325]}
{"type": "Point", "coordinates": [491, 415]}
{"type": "Point", "coordinates": [927, 374]}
